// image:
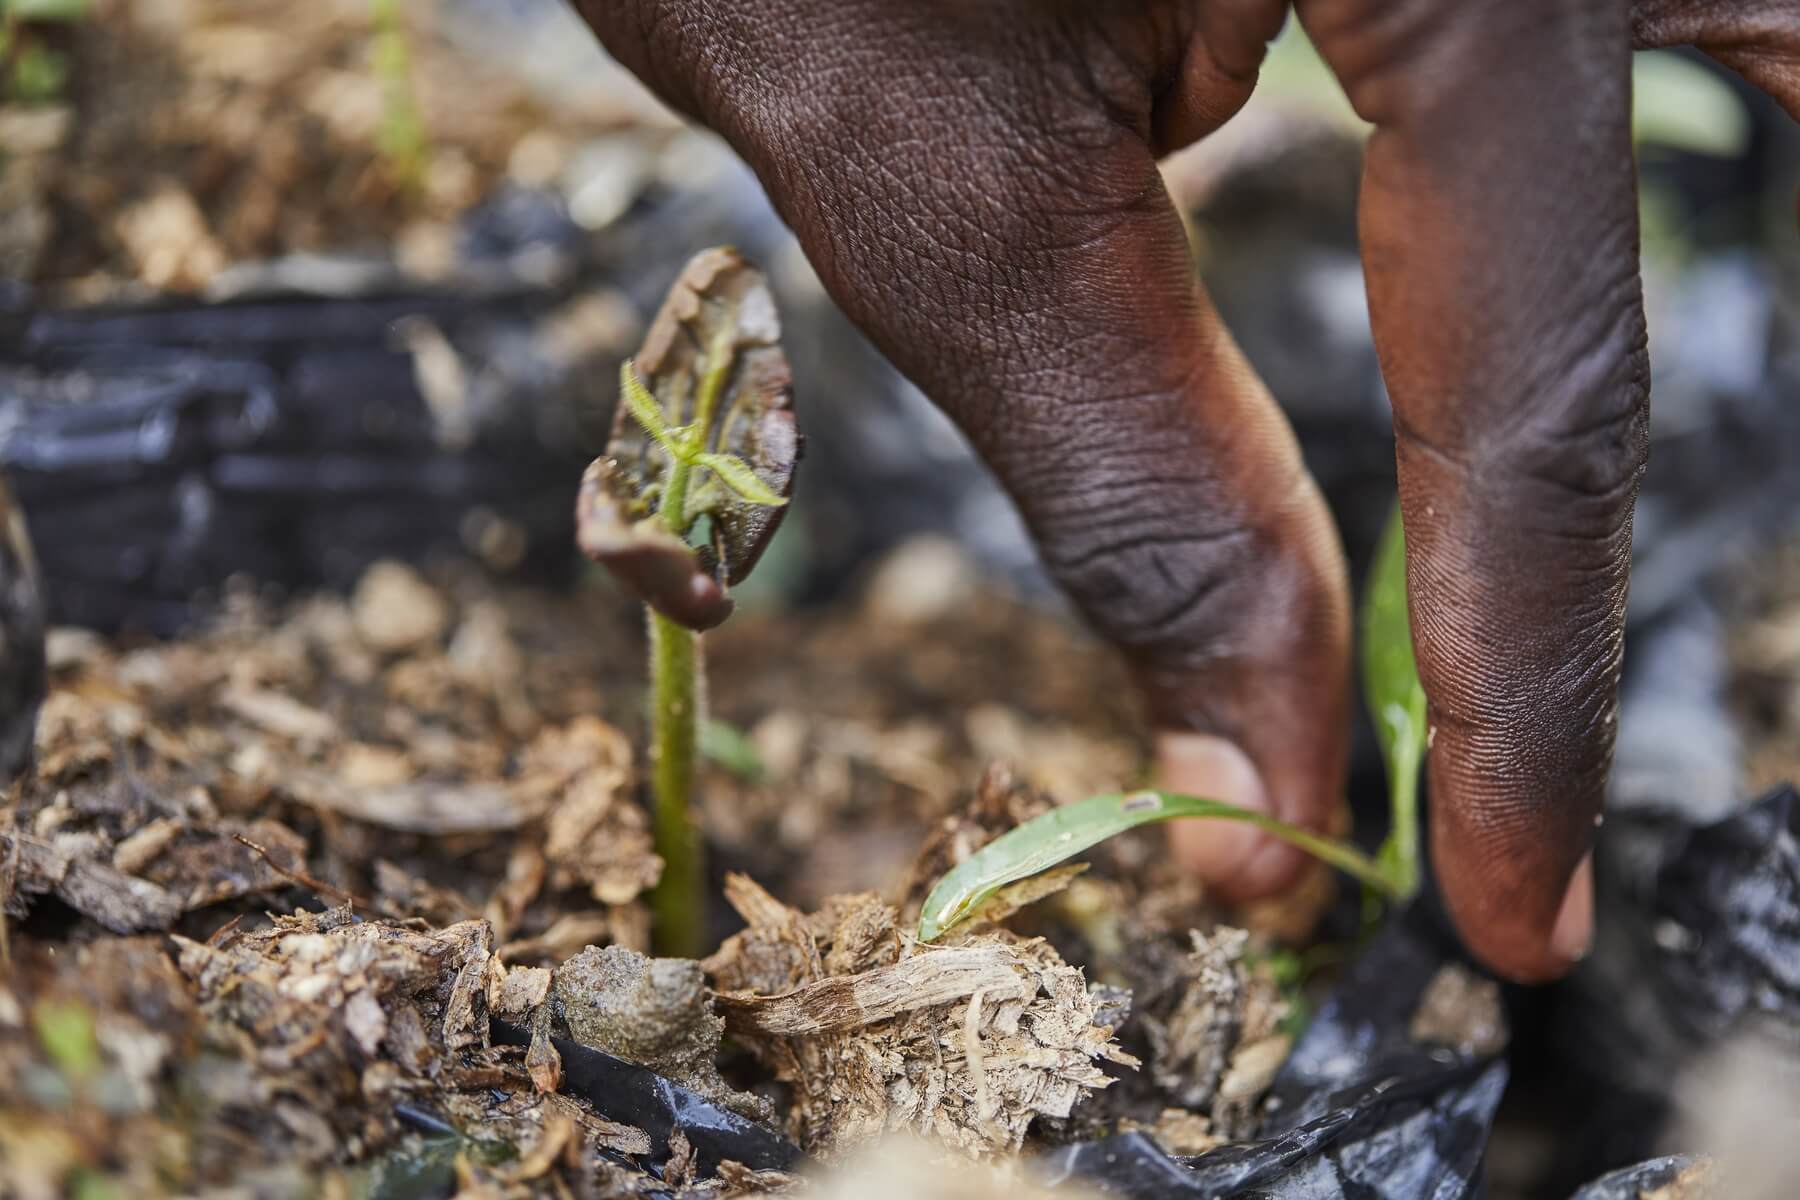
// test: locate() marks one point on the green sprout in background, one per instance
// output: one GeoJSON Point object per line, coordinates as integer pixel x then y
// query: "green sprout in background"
{"type": "Point", "coordinates": [682, 505]}
{"type": "Point", "coordinates": [1397, 702]}
{"type": "Point", "coordinates": [401, 140]}
{"type": "Point", "coordinates": [31, 71]}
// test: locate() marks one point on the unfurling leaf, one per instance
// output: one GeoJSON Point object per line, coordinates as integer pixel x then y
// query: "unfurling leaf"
{"type": "Point", "coordinates": [736, 474]}
{"type": "Point", "coordinates": [718, 322]}
{"type": "Point", "coordinates": [618, 530]}
{"type": "Point", "coordinates": [643, 406]}
{"type": "Point", "coordinates": [1396, 701]}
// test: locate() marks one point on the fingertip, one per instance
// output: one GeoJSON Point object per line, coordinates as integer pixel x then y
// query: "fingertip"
{"type": "Point", "coordinates": [1235, 859]}
{"type": "Point", "coordinates": [1520, 948]}
{"type": "Point", "coordinates": [1573, 934]}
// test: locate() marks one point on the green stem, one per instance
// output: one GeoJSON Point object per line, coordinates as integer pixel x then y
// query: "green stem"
{"type": "Point", "coordinates": [679, 901]}
{"type": "Point", "coordinates": [679, 898]}
{"type": "Point", "coordinates": [1403, 835]}
{"type": "Point", "coordinates": [1342, 855]}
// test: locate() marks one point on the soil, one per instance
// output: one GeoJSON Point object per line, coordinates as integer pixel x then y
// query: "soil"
{"type": "Point", "coordinates": [269, 884]}
{"type": "Point", "coordinates": [198, 134]}
{"type": "Point", "coordinates": [1764, 650]}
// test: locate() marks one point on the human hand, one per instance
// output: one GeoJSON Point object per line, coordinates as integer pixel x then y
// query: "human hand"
{"type": "Point", "coordinates": [976, 185]}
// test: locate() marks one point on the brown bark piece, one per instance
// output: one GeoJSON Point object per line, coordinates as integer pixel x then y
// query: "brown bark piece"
{"type": "Point", "coordinates": [967, 1043]}
{"type": "Point", "coordinates": [846, 1002]}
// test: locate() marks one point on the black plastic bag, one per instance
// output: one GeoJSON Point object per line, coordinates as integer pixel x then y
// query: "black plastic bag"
{"type": "Point", "coordinates": [1360, 1109]}
{"type": "Point", "coordinates": [637, 1096]}
{"type": "Point", "coordinates": [1630, 1183]}
{"type": "Point", "coordinates": [1698, 947]}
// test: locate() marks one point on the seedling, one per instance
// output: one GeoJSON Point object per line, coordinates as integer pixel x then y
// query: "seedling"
{"type": "Point", "coordinates": [30, 71]}
{"type": "Point", "coordinates": [1397, 701]}
{"type": "Point", "coordinates": [401, 139]}
{"type": "Point", "coordinates": [681, 506]}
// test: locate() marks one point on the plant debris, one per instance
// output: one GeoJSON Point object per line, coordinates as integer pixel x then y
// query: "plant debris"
{"type": "Point", "coordinates": [967, 1043]}
{"type": "Point", "coordinates": [1218, 1045]}
{"type": "Point", "coordinates": [198, 134]}
{"type": "Point", "coordinates": [469, 781]}
{"type": "Point", "coordinates": [1461, 1010]}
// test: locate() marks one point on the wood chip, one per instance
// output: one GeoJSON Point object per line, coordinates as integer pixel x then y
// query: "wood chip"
{"type": "Point", "coordinates": [279, 714]}
{"type": "Point", "coordinates": [846, 1002]}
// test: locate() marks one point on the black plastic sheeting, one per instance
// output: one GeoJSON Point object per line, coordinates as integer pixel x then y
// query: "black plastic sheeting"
{"type": "Point", "coordinates": [1725, 946]}
{"type": "Point", "coordinates": [1359, 1110]}
{"type": "Point", "coordinates": [1698, 949]}
{"type": "Point", "coordinates": [1630, 1183]}
{"type": "Point", "coordinates": [1422, 1136]}
{"type": "Point", "coordinates": [158, 451]}
{"type": "Point", "coordinates": [637, 1096]}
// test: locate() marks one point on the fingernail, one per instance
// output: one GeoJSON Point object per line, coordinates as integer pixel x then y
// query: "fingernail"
{"type": "Point", "coordinates": [1573, 934]}
{"type": "Point", "coordinates": [1201, 764]}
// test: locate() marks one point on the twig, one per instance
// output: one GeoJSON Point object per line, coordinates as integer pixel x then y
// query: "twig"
{"type": "Point", "coordinates": [8, 874]}
{"type": "Point", "coordinates": [301, 877]}
{"type": "Point", "coordinates": [225, 932]}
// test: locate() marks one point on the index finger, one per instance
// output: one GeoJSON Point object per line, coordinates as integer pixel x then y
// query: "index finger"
{"type": "Point", "coordinates": [1499, 238]}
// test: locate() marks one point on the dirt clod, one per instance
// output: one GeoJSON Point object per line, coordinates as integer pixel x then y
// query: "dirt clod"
{"type": "Point", "coordinates": [1460, 1009]}
{"type": "Point", "coordinates": [395, 609]}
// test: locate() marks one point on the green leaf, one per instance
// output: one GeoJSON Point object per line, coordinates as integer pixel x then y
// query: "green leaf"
{"type": "Point", "coordinates": [38, 75]}
{"type": "Point", "coordinates": [736, 474]}
{"type": "Point", "coordinates": [65, 1029]}
{"type": "Point", "coordinates": [1396, 702]}
{"type": "Point", "coordinates": [725, 745]}
{"type": "Point", "coordinates": [89, 1184]}
{"type": "Point", "coordinates": [1060, 834]}
{"type": "Point", "coordinates": [644, 408]}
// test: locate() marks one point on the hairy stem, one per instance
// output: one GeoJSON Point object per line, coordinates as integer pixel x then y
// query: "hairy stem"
{"type": "Point", "coordinates": [679, 899]}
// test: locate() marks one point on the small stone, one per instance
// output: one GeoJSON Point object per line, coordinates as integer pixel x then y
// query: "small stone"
{"type": "Point", "coordinates": [395, 609]}
{"type": "Point", "coordinates": [927, 579]}
{"type": "Point", "coordinates": [1461, 1010]}
{"type": "Point", "coordinates": [167, 237]}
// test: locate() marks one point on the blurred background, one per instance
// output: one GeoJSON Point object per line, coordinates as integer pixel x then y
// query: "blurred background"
{"type": "Point", "coordinates": [287, 289]}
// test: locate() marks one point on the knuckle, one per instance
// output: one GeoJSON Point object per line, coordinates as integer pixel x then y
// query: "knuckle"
{"type": "Point", "coordinates": [1398, 59]}
{"type": "Point", "coordinates": [1373, 47]}
{"type": "Point", "coordinates": [1584, 459]}
{"type": "Point", "coordinates": [1184, 574]}
{"type": "Point", "coordinates": [1577, 449]}
{"type": "Point", "coordinates": [1156, 587]}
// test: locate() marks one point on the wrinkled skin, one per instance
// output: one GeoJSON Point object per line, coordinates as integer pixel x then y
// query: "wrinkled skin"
{"type": "Point", "coordinates": [975, 182]}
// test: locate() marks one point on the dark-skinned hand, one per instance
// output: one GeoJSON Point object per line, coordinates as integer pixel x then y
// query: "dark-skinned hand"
{"type": "Point", "coordinates": [975, 182]}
